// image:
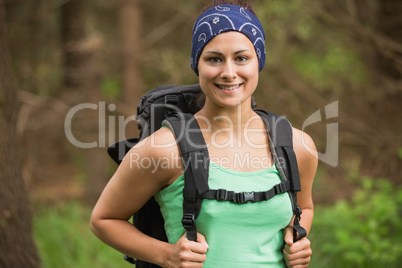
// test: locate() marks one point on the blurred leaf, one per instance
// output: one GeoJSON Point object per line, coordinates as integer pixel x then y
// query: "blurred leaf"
{"type": "Point", "coordinates": [111, 87]}
{"type": "Point", "coordinates": [400, 153]}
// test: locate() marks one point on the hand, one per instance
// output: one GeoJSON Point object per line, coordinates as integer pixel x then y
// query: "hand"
{"type": "Point", "coordinates": [188, 253]}
{"type": "Point", "coordinates": [298, 254]}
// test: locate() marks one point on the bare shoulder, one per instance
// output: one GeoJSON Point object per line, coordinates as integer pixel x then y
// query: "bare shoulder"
{"type": "Point", "coordinates": [157, 156]}
{"type": "Point", "coordinates": [305, 150]}
{"type": "Point", "coordinates": [161, 142]}
{"type": "Point", "coordinates": [145, 170]}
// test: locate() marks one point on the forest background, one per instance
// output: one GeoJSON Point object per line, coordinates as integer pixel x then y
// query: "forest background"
{"type": "Point", "coordinates": [56, 55]}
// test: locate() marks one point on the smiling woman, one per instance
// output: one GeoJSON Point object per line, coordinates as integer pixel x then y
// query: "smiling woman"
{"type": "Point", "coordinates": [228, 53]}
{"type": "Point", "coordinates": [228, 73]}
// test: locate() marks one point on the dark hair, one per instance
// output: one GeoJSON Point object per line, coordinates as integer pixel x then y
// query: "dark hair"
{"type": "Point", "coordinates": [242, 3]}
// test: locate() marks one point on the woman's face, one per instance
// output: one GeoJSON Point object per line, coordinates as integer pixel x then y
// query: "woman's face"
{"type": "Point", "coordinates": [228, 70]}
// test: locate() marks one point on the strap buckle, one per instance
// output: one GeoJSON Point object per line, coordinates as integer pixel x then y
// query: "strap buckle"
{"type": "Point", "coordinates": [298, 212]}
{"type": "Point", "coordinates": [188, 221]}
{"type": "Point", "coordinates": [245, 197]}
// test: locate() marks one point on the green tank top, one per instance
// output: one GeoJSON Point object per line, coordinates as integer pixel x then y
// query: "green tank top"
{"type": "Point", "coordinates": [238, 235]}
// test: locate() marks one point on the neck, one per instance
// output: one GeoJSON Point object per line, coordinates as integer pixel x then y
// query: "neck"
{"type": "Point", "coordinates": [223, 118]}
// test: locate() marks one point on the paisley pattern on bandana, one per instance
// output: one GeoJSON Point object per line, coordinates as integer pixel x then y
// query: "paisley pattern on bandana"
{"type": "Point", "coordinates": [222, 19]}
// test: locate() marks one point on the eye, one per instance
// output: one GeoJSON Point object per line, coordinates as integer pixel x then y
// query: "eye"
{"type": "Point", "coordinates": [242, 58]}
{"type": "Point", "coordinates": [214, 60]}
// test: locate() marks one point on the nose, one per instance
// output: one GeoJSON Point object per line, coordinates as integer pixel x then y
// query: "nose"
{"type": "Point", "coordinates": [229, 71]}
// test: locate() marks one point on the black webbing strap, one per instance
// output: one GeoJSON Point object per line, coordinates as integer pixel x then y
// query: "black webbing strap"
{"type": "Point", "coordinates": [298, 231]}
{"type": "Point", "coordinates": [293, 168]}
{"type": "Point", "coordinates": [281, 135]}
{"type": "Point", "coordinates": [245, 197]}
{"type": "Point", "coordinates": [189, 200]}
{"type": "Point", "coordinates": [195, 159]}
{"type": "Point", "coordinates": [293, 174]}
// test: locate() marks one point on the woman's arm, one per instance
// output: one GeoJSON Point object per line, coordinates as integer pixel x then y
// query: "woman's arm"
{"type": "Point", "coordinates": [133, 184]}
{"type": "Point", "coordinates": [307, 161]}
{"type": "Point", "coordinates": [299, 253]}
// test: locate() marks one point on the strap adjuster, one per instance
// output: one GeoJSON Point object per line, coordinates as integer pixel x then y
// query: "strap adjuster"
{"type": "Point", "coordinates": [279, 188]}
{"type": "Point", "coordinates": [245, 197]}
{"type": "Point", "coordinates": [188, 221]}
{"type": "Point", "coordinates": [221, 195]}
{"type": "Point", "coordinates": [171, 102]}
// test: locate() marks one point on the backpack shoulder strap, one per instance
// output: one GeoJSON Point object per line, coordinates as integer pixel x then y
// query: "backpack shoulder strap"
{"type": "Point", "coordinates": [195, 159]}
{"type": "Point", "coordinates": [281, 142]}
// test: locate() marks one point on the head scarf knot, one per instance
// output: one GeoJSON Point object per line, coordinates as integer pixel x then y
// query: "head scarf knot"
{"type": "Point", "coordinates": [224, 18]}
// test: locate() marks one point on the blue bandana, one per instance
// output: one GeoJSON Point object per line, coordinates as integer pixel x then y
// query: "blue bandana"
{"type": "Point", "coordinates": [222, 19]}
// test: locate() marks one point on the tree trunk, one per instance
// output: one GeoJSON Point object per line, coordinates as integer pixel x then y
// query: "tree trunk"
{"type": "Point", "coordinates": [73, 33]}
{"type": "Point", "coordinates": [131, 25]}
{"type": "Point", "coordinates": [389, 23]}
{"type": "Point", "coordinates": [82, 82]}
{"type": "Point", "coordinates": [17, 247]}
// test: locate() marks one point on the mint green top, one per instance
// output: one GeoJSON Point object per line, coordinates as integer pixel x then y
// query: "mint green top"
{"type": "Point", "coordinates": [238, 235]}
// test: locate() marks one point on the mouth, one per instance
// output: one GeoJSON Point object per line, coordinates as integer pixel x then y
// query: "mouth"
{"type": "Point", "coordinates": [229, 87]}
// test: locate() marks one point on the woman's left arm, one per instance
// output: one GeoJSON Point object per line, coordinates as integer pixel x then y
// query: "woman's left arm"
{"type": "Point", "coordinates": [297, 254]}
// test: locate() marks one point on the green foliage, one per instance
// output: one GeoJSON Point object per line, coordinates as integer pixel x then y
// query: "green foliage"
{"type": "Point", "coordinates": [111, 87]}
{"type": "Point", "coordinates": [400, 153]}
{"type": "Point", "coordinates": [325, 66]}
{"type": "Point", "coordinates": [298, 41]}
{"type": "Point", "coordinates": [363, 232]}
{"type": "Point", "coordinates": [64, 239]}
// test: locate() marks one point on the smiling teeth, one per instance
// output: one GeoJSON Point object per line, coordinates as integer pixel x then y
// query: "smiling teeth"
{"type": "Point", "coordinates": [228, 88]}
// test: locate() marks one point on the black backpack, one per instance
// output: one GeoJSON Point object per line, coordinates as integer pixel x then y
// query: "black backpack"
{"type": "Point", "coordinates": [173, 107]}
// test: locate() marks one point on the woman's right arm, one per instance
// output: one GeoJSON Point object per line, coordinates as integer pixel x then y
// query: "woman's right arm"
{"type": "Point", "coordinates": [136, 180]}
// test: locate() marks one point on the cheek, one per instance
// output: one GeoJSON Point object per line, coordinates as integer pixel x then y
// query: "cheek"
{"type": "Point", "coordinates": [251, 72]}
{"type": "Point", "coordinates": [205, 73]}
{"type": "Point", "coordinates": [255, 69]}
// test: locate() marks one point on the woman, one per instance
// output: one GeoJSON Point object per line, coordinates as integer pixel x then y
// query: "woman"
{"type": "Point", "coordinates": [227, 54]}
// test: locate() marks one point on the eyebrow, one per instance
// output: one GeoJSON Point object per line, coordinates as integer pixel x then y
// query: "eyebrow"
{"type": "Point", "coordinates": [220, 53]}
